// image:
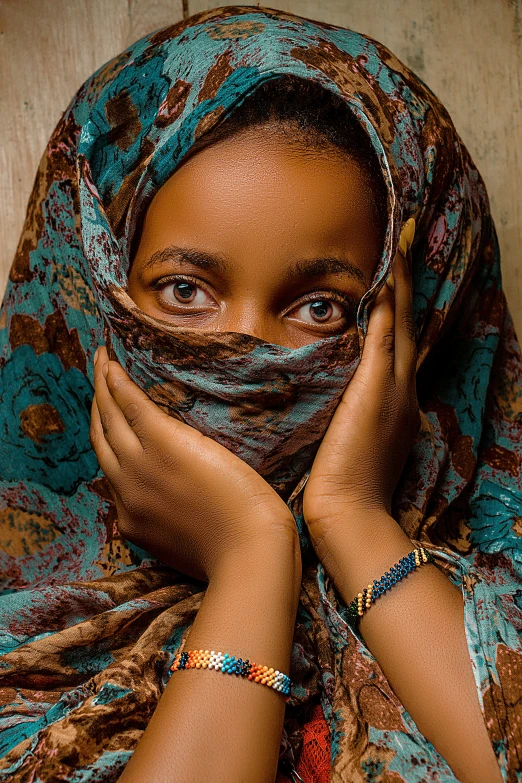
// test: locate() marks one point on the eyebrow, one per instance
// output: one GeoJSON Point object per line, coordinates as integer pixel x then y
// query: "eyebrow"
{"type": "Point", "coordinates": [214, 262]}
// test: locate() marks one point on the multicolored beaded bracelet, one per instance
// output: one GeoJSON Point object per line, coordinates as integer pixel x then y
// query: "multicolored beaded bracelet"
{"type": "Point", "coordinates": [362, 602]}
{"type": "Point", "coordinates": [208, 659]}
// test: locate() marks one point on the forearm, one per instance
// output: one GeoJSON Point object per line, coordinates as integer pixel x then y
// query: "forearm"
{"type": "Point", "coordinates": [212, 726]}
{"type": "Point", "coordinates": [416, 633]}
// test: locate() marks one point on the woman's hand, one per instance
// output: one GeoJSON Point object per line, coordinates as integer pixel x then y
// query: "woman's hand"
{"type": "Point", "coordinates": [364, 450]}
{"type": "Point", "coordinates": [180, 495]}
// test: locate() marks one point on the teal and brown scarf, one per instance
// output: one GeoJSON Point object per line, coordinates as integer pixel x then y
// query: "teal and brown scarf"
{"type": "Point", "coordinates": [89, 623]}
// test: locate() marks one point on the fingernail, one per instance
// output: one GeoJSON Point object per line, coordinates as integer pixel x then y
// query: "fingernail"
{"type": "Point", "coordinates": [105, 369]}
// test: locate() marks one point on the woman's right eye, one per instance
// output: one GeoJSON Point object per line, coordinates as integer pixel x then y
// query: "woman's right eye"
{"type": "Point", "coordinates": [181, 291]}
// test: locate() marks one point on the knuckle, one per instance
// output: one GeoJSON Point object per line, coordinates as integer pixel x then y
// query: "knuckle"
{"type": "Point", "coordinates": [388, 340]}
{"type": "Point", "coordinates": [106, 420]}
{"type": "Point", "coordinates": [131, 411]}
{"type": "Point", "coordinates": [116, 382]}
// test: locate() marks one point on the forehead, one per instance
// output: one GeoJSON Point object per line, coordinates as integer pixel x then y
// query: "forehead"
{"type": "Point", "coordinates": [258, 199]}
{"type": "Point", "coordinates": [262, 174]}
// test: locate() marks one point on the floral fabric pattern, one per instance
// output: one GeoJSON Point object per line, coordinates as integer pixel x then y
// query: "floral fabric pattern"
{"type": "Point", "coordinates": [89, 622]}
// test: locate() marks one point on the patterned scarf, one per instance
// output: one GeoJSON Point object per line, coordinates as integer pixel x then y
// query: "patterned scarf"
{"type": "Point", "coordinates": [89, 622]}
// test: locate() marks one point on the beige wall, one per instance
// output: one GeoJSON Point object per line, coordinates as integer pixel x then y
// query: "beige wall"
{"type": "Point", "coordinates": [468, 51]}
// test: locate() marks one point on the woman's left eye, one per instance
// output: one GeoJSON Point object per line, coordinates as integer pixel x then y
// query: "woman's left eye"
{"type": "Point", "coordinates": [325, 310]}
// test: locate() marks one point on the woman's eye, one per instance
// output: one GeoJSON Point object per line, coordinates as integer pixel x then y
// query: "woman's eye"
{"type": "Point", "coordinates": [321, 311]}
{"type": "Point", "coordinates": [184, 292]}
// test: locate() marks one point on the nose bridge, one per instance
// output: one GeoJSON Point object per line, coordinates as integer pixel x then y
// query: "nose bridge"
{"type": "Point", "coordinates": [249, 315]}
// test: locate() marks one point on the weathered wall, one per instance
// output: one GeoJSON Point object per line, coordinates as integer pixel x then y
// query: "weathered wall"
{"type": "Point", "coordinates": [47, 50]}
{"type": "Point", "coordinates": [469, 52]}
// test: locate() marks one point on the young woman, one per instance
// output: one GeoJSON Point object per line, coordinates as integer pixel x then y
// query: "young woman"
{"type": "Point", "coordinates": [254, 353]}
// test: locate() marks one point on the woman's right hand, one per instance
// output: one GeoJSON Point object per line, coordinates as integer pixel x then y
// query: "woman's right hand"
{"type": "Point", "coordinates": [180, 495]}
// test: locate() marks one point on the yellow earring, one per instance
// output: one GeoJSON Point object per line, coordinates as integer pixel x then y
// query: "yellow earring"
{"type": "Point", "coordinates": [405, 242]}
{"type": "Point", "coordinates": [407, 235]}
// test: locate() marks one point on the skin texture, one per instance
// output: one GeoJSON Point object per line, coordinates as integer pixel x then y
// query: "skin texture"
{"type": "Point", "coordinates": [259, 216]}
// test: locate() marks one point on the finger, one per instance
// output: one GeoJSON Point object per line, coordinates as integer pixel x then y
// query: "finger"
{"type": "Point", "coordinates": [379, 345]}
{"type": "Point", "coordinates": [141, 414]}
{"type": "Point", "coordinates": [107, 459]}
{"type": "Point", "coordinates": [118, 434]}
{"type": "Point", "coordinates": [405, 345]}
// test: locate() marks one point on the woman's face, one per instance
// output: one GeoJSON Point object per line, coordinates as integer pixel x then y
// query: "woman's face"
{"type": "Point", "coordinates": [261, 235]}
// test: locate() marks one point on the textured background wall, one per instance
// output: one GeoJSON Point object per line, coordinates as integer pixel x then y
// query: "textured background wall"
{"type": "Point", "coordinates": [469, 52]}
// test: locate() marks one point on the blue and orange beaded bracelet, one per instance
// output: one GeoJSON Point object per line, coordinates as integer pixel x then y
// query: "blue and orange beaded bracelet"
{"type": "Point", "coordinates": [229, 664]}
{"type": "Point", "coordinates": [369, 595]}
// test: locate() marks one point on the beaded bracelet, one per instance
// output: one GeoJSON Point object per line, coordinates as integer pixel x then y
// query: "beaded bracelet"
{"type": "Point", "coordinates": [208, 659]}
{"type": "Point", "coordinates": [362, 602]}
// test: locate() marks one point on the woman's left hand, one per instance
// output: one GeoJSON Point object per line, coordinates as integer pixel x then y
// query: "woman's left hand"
{"type": "Point", "coordinates": [364, 450]}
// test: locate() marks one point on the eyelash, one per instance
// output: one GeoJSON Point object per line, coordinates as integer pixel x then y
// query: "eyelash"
{"type": "Point", "coordinates": [348, 302]}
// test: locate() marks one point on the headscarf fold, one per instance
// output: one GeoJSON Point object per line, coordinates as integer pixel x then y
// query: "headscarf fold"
{"type": "Point", "coordinates": [91, 623]}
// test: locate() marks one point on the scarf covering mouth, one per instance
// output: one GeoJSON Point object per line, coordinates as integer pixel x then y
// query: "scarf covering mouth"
{"type": "Point", "coordinates": [90, 623]}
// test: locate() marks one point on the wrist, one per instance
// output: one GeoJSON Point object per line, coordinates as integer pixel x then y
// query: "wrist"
{"type": "Point", "coordinates": [360, 543]}
{"type": "Point", "coordinates": [249, 608]}
{"type": "Point", "coordinates": [350, 520]}
{"type": "Point", "coordinates": [270, 564]}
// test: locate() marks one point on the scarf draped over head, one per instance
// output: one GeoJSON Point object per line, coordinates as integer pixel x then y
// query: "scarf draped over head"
{"type": "Point", "coordinates": [90, 623]}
